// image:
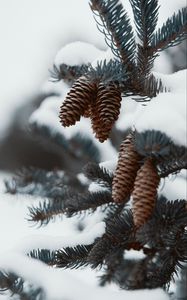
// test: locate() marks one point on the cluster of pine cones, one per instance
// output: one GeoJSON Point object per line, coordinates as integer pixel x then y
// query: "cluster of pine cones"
{"type": "Point", "coordinates": [101, 103]}
{"type": "Point", "coordinates": [134, 178]}
{"type": "Point", "coordinates": [97, 101]}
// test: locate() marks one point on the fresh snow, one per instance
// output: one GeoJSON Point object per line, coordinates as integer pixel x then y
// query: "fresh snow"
{"type": "Point", "coordinates": [32, 33]}
{"type": "Point", "coordinates": [77, 53]}
{"type": "Point", "coordinates": [166, 112]}
{"type": "Point", "coordinates": [58, 284]}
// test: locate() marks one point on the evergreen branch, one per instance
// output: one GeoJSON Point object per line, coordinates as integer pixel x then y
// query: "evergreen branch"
{"type": "Point", "coordinates": [152, 143]}
{"type": "Point", "coordinates": [98, 174]}
{"type": "Point", "coordinates": [152, 87]}
{"type": "Point", "coordinates": [174, 162]}
{"type": "Point", "coordinates": [169, 157]}
{"type": "Point", "coordinates": [145, 17]}
{"type": "Point", "coordinates": [171, 33]}
{"type": "Point", "coordinates": [57, 143]}
{"type": "Point", "coordinates": [15, 285]}
{"type": "Point", "coordinates": [166, 226]}
{"type": "Point", "coordinates": [43, 255]}
{"type": "Point", "coordinates": [143, 89]}
{"type": "Point", "coordinates": [116, 28]}
{"type": "Point", "coordinates": [46, 211]}
{"type": "Point", "coordinates": [72, 258]}
{"type": "Point", "coordinates": [120, 228]}
{"type": "Point", "coordinates": [68, 73]}
{"type": "Point", "coordinates": [9, 281]}
{"type": "Point", "coordinates": [89, 201]}
{"type": "Point", "coordinates": [173, 166]}
{"type": "Point", "coordinates": [111, 264]}
{"type": "Point", "coordinates": [101, 249]}
{"type": "Point", "coordinates": [70, 204]}
{"type": "Point", "coordinates": [107, 72]}
{"type": "Point", "coordinates": [34, 181]}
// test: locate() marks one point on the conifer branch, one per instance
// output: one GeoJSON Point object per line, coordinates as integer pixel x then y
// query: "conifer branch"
{"type": "Point", "coordinates": [107, 72]}
{"type": "Point", "coordinates": [98, 174]}
{"type": "Point", "coordinates": [13, 284]}
{"type": "Point", "coordinates": [9, 281]}
{"type": "Point", "coordinates": [72, 258]}
{"type": "Point", "coordinates": [116, 28]}
{"type": "Point", "coordinates": [173, 31]}
{"type": "Point", "coordinates": [68, 73]}
{"type": "Point", "coordinates": [152, 143]}
{"type": "Point", "coordinates": [44, 255]}
{"type": "Point", "coordinates": [70, 204]}
{"type": "Point", "coordinates": [145, 17]}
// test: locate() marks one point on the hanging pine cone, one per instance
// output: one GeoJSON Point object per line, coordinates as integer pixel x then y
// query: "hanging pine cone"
{"type": "Point", "coordinates": [127, 167]}
{"type": "Point", "coordinates": [105, 110]}
{"type": "Point", "coordinates": [101, 132]}
{"type": "Point", "coordinates": [87, 112]}
{"type": "Point", "coordinates": [108, 103]}
{"type": "Point", "coordinates": [144, 193]}
{"type": "Point", "coordinates": [77, 101]}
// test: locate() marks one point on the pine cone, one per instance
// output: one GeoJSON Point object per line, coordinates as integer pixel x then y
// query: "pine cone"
{"type": "Point", "coordinates": [77, 101]}
{"type": "Point", "coordinates": [144, 193]}
{"type": "Point", "coordinates": [87, 112]}
{"type": "Point", "coordinates": [101, 132]}
{"type": "Point", "coordinates": [127, 167]}
{"type": "Point", "coordinates": [108, 104]}
{"type": "Point", "coordinates": [105, 110]}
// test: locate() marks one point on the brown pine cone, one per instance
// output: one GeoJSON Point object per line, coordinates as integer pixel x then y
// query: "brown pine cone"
{"type": "Point", "coordinates": [108, 104]}
{"type": "Point", "coordinates": [87, 112]}
{"type": "Point", "coordinates": [105, 110]}
{"type": "Point", "coordinates": [77, 101]}
{"type": "Point", "coordinates": [125, 174]}
{"type": "Point", "coordinates": [145, 192]}
{"type": "Point", "coordinates": [101, 132]}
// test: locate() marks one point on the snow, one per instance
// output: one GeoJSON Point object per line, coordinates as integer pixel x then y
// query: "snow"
{"type": "Point", "coordinates": [58, 284]}
{"type": "Point", "coordinates": [77, 53]}
{"type": "Point", "coordinates": [162, 112]}
{"type": "Point", "coordinates": [31, 34]}
{"type": "Point", "coordinates": [165, 113]}
{"type": "Point", "coordinates": [20, 238]}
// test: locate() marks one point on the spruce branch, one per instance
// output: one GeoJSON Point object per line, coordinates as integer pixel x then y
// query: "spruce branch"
{"type": "Point", "coordinates": [35, 181]}
{"type": "Point", "coordinates": [145, 17]}
{"type": "Point", "coordinates": [89, 201]}
{"type": "Point", "coordinates": [106, 72]}
{"type": "Point", "coordinates": [72, 257]}
{"type": "Point", "coordinates": [117, 29]}
{"type": "Point", "coordinates": [43, 255]}
{"type": "Point", "coordinates": [173, 31]}
{"type": "Point", "coordinates": [152, 143]}
{"type": "Point", "coordinates": [68, 73]}
{"type": "Point", "coordinates": [70, 204]}
{"type": "Point", "coordinates": [172, 166]}
{"type": "Point", "coordinates": [9, 281]}
{"type": "Point", "coordinates": [98, 174]}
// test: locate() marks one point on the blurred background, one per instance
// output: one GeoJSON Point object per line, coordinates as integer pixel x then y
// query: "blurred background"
{"type": "Point", "coordinates": [32, 32]}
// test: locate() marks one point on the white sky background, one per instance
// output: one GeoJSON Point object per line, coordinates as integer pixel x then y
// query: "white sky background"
{"type": "Point", "coordinates": [31, 32]}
